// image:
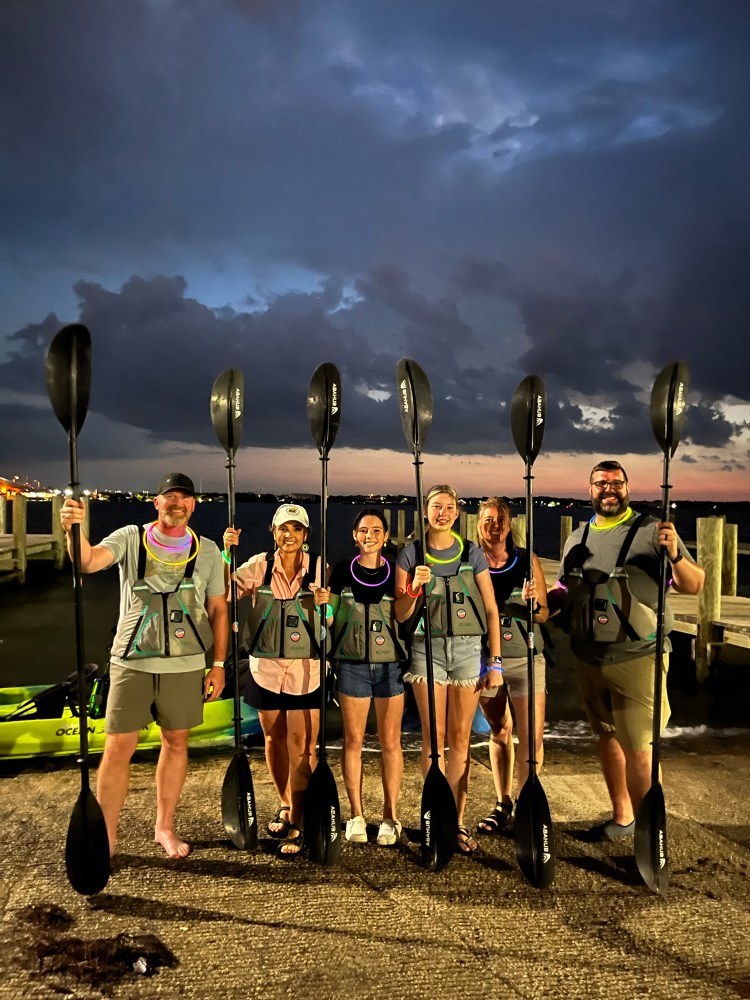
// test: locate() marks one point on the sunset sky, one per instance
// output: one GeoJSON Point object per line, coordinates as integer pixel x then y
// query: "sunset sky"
{"type": "Point", "coordinates": [492, 188]}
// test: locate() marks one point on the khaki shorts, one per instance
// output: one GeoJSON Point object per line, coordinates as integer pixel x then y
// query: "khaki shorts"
{"type": "Point", "coordinates": [619, 699]}
{"type": "Point", "coordinates": [174, 701]}
{"type": "Point", "coordinates": [516, 674]}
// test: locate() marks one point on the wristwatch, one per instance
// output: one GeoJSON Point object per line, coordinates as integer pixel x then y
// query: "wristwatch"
{"type": "Point", "coordinates": [676, 559]}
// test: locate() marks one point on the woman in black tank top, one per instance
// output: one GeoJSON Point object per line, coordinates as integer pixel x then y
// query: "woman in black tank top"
{"type": "Point", "coordinates": [508, 565]}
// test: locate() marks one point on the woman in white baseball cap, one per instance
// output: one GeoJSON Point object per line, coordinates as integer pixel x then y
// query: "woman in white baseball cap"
{"type": "Point", "coordinates": [284, 678]}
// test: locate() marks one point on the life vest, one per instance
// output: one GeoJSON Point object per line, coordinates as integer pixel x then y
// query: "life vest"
{"type": "Point", "coordinates": [601, 608]}
{"type": "Point", "coordinates": [454, 604]}
{"type": "Point", "coordinates": [282, 628]}
{"type": "Point", "coordinates": [366, 632]}
{"type": "Point", "coordinates": [158, 623]}
{"type": "Point", "coordinates": [514, 630]}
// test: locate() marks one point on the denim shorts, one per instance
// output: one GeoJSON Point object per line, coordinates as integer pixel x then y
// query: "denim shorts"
{"type": "Point", "coordinates": [369, 680]}
{"type": "Point", "coordinates": [455, 660]}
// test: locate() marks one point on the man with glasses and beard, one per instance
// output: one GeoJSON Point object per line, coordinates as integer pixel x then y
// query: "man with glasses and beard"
{"type": "Point", "coordinates": [173, 609]}
{"type": "Point", "coordinates": [607, 592]}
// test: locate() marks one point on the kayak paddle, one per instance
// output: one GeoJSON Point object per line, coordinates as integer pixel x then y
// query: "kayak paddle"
{"type": "Point", "coordinates": [237, 794]}
{"type": "Point", "coordinates": [532, 829]}
{"type": "Point", "coordinates": [439, 816]}
{"type": "Point", "coordinates": [68, 375]}
{"type": "Point", "coordinates": [668, 403]}
{"type": "Point", "coordinates": [322, 814]}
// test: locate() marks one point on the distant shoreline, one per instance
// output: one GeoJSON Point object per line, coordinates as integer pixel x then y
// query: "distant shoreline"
{"type": "Point", "coordinates": [386, 499]}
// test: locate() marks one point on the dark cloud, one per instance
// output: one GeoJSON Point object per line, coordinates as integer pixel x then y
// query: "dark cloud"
{"type": "Point", "coordinates": [490, 190]}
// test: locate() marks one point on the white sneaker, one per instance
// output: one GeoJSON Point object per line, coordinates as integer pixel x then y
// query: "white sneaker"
{"type": "Point", "coordinates": [356, 831]}
{"type": "Point", "coordinates": [389, 832]}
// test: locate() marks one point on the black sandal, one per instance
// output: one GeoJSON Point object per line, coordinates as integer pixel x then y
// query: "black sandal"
{"type": "Point", "coordinates": [465, 843]}
{"type": "Point", "coordinates": [497, 820]}
{"type": "Point", "coordinates": [283, 823]}
{"type": "Point", "coordinates": [297, 843]}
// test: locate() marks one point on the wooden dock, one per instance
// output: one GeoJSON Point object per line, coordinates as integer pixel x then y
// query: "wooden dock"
{"type": "Point", "coordinates": [18, 547]}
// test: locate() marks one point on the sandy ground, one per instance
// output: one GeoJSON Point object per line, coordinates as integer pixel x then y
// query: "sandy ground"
{"type": "Point", "coordinates": [228, 924]}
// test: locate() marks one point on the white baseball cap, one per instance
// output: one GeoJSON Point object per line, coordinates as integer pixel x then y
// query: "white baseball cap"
{"type": "Point", "coordinates": [291, 512]}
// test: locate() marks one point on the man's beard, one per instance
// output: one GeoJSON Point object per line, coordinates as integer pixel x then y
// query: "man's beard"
{"type": "Point", "coordinates": [611, 510]}
{"type": "Point", "coordinates": [175, 519]}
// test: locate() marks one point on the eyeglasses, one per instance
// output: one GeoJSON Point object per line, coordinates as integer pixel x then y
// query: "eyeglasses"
{"type": "Point", "coordinates": [609, 484]}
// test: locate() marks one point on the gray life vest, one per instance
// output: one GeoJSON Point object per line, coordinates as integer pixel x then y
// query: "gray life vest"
{"type": "Point", "coordinates": [512, 608]}
{"type": "Point", "coordinates": [601, 608]}
{"type": "Point", "coordinates": [366, 632]}
{"type": "Point", "coordinates": [283, 628]}
{"type": "Point", "coordinates": [159, 623]}
{"type": "Point", "coordinates": [514, 630]}
{"type": "Point", "coordinates": [454, 604]}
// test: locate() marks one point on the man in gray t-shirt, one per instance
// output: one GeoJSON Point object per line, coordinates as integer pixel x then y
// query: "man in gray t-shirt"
{"type": "Point", "coordinates": [173, 608]}
{"type": "Point", "coordinates": [607, 589]}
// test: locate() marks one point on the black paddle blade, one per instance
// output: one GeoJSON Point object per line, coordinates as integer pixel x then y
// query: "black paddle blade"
{"type": "Point", "coordinates": [415, 404]}
{"type": "Point", "coordinates": [533, 835]}
{"type": "Point", "coordinates": [238, 804]}
{"type": "Point", "coordinates": [668, 405]}
{"type": "Point", "coordinates": [227, 408]}
{"type": "Point", "coordinates": [324, 406]}
{"type": "Point", "coordinates": [528, 416]}
{"type": "Point", "coordinates": [439, 820]}
{"type": "Point", "coordinates": [651, 840]}
{"type": "Point", "coordinates": [67, 370]}
{"type": "Point", "coordinates": [322, 816]}
{"type": "Point", "coordinates": [87, 846]}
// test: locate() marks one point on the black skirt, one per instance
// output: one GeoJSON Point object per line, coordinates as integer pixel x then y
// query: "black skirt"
{"type": "Point", "coordinates": [262, 699]}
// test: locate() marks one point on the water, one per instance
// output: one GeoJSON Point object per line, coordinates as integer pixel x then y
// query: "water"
{"type": "Point", "coordinates": [37, 640]}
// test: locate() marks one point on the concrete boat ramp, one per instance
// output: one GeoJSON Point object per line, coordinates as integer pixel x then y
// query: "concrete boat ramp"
{"type": "Point", "coordinates": [222, 924]}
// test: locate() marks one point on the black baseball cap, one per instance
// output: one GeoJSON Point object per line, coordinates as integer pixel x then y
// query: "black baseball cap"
{"type": "Point", "coordinates": [175, 481]}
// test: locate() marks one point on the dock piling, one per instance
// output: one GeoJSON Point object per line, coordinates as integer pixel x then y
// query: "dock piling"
{"type": "Point", "coordinates": [710, 544]}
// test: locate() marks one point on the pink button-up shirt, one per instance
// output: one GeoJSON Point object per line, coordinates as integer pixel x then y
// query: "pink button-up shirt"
{"type": "Point", "coordinates": [287, 676]}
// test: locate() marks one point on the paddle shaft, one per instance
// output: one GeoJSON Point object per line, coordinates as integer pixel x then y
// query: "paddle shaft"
{"type": "Point", "coordinates": [322, 751]}
{"type": "Point", "coordinates": [234, 608]}
{"type": "Point", "coordinates": [75, 546]}
{"type": "Point", "coordinates": [434, 755]}
{"type": "Point", "coordinates": [660, 623]}
{"type": "Point", "coordinates": [529, 478]}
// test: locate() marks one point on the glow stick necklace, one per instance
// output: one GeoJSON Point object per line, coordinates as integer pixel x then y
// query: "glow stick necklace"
{"type": "Point", "coordinates": [504, 569]}
{"type": "Point", "coordinates": [604, 527]}
{"type": "Point", "coordinates": [155, 541]}
{"type": "Point", "coordinates": [363, 582]}
{"type": "Point", "coordinates": [445, 562]}
{"type": "Point", "coordinates": [169, 562]}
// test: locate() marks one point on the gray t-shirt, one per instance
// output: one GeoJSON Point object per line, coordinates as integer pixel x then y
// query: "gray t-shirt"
{"type": "Point", "coordinates": [642, 565]}
{"type": "Point", "coordinates": [208, 577]}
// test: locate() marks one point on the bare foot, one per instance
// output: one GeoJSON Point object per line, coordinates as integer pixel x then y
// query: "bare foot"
{"type": "Point", "coordinates": [174, 847]}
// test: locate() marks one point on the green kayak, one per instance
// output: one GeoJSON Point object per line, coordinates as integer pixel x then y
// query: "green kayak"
{"type": "Point", "coordinates": [42, 721]}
